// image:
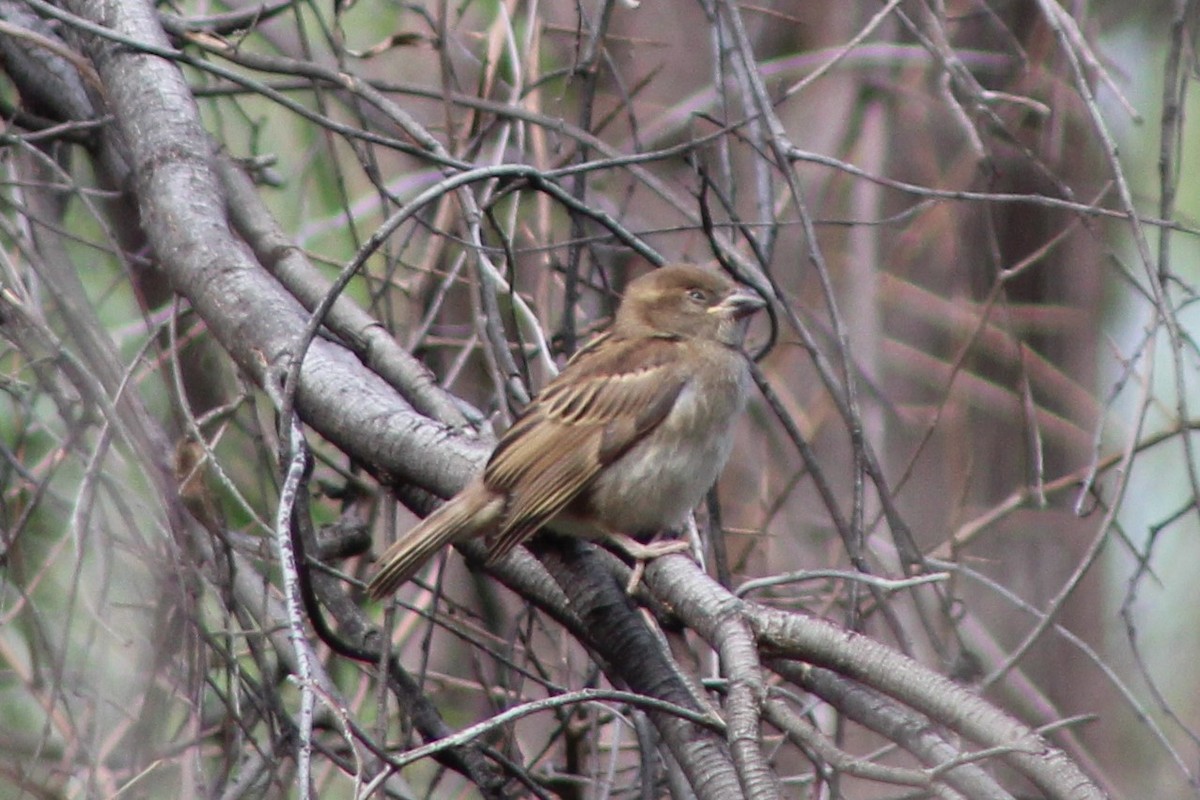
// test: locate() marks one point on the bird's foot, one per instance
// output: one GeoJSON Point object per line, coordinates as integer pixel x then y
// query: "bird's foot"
{"type": "Point", "coordinates": [641, 553]}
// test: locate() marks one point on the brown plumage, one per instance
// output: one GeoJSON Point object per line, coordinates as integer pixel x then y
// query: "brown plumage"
{"type": "Point", "coordinates": [626, 440]}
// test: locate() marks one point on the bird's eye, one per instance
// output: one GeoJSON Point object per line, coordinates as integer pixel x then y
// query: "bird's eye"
{"type": "Point", "coordinates": [698, 295]}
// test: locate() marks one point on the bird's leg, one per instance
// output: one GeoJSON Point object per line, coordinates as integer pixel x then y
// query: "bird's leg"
{"type": "Point", "coordinates": [645, 552]}
{"type": "Point", "coordinates": [641, 553]}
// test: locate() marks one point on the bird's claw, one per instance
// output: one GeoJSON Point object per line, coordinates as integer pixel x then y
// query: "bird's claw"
{"type": "Point", "coordinates": [641, 553]}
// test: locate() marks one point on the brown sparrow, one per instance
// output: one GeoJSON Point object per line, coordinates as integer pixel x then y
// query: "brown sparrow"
{"type": "Point", "coordinates": [627, 438]}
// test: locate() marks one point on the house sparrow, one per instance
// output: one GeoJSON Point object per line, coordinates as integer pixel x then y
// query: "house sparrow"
{"type": "Point", "coordinates": [627, 438]}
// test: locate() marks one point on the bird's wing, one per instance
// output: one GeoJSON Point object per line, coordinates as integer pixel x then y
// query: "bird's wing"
{"type": "Point", "coordinates": [607, 399]}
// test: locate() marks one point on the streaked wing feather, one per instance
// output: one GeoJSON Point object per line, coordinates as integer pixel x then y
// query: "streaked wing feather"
{"type": "Point", "coordinates": [541, 499]}
{"type": "Point", "coordinates": [593, 413]}
{"type": "Point", "coordinates": [562, 473]}
{"type": "Point", "coordinates": [625, 430]}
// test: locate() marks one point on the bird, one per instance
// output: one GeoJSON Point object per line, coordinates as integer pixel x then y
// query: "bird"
{"type": "Point", "coordinates": [623, 443]}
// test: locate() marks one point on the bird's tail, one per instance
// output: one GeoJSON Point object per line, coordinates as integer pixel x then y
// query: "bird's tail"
{"type": "Point", "coordinates": [461, 518]}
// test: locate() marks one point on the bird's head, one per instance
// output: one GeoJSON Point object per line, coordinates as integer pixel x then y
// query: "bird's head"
{"type": "Point", "coordinates": [686, 302]}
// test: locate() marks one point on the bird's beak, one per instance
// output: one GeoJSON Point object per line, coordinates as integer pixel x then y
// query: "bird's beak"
{"type": "Point", "coordinates": [739, 304]}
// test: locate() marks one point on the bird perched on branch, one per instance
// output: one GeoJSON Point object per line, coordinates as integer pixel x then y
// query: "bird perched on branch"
{"type": "Point", "coordinates": [623, 443]}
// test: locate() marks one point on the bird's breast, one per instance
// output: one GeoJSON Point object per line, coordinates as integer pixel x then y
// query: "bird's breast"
{"type": "Point", "coordinates": [664, 476]}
